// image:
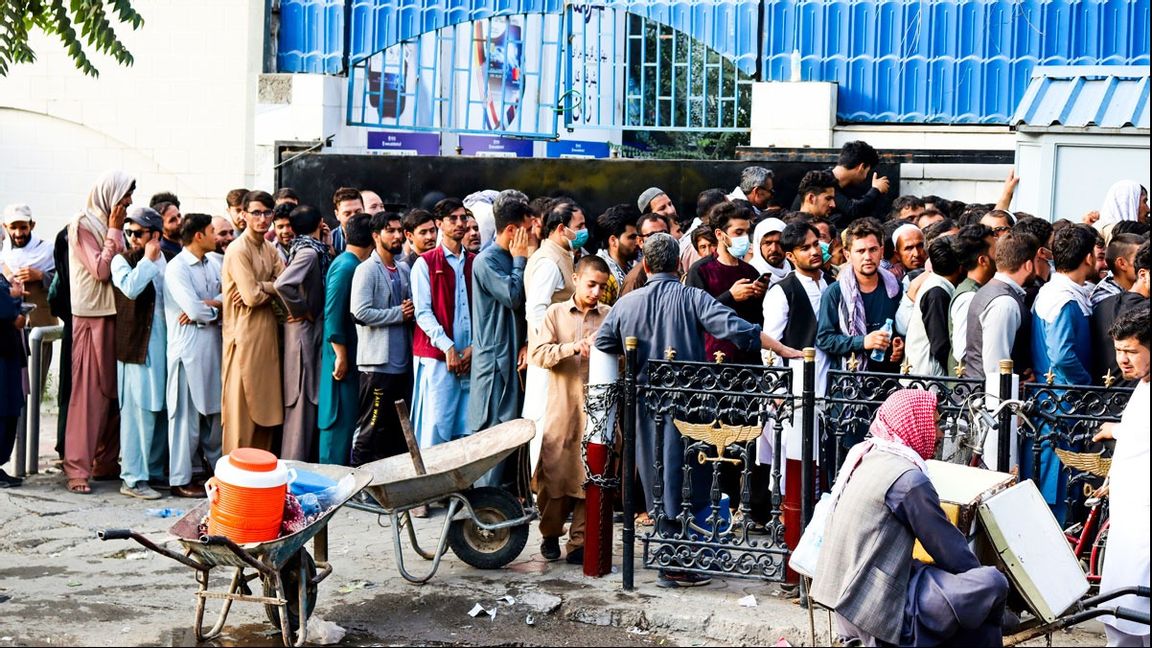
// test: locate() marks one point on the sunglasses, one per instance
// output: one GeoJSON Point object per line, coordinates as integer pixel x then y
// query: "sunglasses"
{"type": "Point", "coordinates": [135, 233]}
{"type": "Point", "coordinates": [1001, 230]}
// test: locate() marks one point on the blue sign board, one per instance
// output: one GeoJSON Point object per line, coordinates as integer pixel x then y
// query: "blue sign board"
{"type": "Point", "coordinates": [393, 143]}
{"type": "Point", "coordinates": [578, 149]}
{"type": "Point", "coordinates": [485, 146]}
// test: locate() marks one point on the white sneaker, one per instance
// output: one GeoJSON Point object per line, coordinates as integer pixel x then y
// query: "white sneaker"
{"type": "Point", "coordinates": [140, 491]}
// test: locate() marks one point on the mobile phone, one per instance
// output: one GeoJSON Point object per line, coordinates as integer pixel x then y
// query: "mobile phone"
{"type": "Point", "coordinates": [765, 279]}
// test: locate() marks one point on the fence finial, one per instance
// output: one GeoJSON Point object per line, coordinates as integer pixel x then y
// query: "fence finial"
{"type": "Point", "coordinates": [809, 354]}
{"type": "Point", "coordinates": [960, 369]}
{"type": "Point", "coordinates": [906, 368]}
{"type": "Point", "coordinates": [1109, 379]}
{"type": "Point", "coordinates": [669, 353]}
{"type": "Point", "coordinates": [630, 343]}
{"type": "Point", "coordinates": [853, 363]}
{"type": "Point", "coordinates": [719, 355]}
{"type": "Point", "coordinates": [1050, 377]}
{"type": "Point", "coordinates": [1007, 366]}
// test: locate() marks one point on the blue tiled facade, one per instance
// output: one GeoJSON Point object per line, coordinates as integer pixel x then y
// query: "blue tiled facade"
{"type": "Point", "coordinates": [896, 61]}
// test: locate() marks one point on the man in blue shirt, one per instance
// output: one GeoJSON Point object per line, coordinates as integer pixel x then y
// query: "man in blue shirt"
{"type": "Point", "coordinates": [1061, 341]}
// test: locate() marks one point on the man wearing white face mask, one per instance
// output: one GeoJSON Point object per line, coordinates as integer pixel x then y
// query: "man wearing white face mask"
{"type": "Point", "coordinates": [727, 277]}
{"type": "Point", "coordinates": [547, 281]}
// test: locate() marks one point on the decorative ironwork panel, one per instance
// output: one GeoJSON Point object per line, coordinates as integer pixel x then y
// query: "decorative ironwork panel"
{"type": "Point", "coordinates": [1063, 420]}
{"type": "Point", "coordinates": [854, 396]}
{"type": "Point", "coordinates": [703, 422]}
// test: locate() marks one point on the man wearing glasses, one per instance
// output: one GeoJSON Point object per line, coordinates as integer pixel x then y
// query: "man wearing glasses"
{"type": "Point", "coordinates": [442, 341]}
{"type": "Point", "coordinates": [252, 400]}
{"type": "Point", "coordinates": [756, 187]}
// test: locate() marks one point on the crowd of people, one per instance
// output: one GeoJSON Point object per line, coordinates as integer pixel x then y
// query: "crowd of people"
{"type": "Point", "coordinates": [297, 328]}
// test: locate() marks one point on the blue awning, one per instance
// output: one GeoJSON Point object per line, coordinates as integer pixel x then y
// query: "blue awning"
{"type": "Point", "coordinates": [1085, 96]}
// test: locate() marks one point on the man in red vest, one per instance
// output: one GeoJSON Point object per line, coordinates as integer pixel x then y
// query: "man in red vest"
{"type": "Point", "coordinates": [442, 342]}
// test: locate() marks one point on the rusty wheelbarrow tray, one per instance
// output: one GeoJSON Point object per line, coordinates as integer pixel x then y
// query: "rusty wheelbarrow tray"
{"type": "Point", "coordinates": [280, 564]}
{"type": "Point", "coordinates": [486, 527]}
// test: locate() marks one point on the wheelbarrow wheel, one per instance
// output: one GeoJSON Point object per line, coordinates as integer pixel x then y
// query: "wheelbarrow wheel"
{"type": "Point", "coordinates": [290, 576]}
{"type": "Point", "coordinates": [489, 549]}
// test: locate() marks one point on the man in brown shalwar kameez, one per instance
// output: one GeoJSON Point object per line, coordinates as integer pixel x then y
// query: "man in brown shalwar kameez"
{"type": "Point", "coordinates": [251, 401]}
{"type": "Point", "coordinates": [565, 338]}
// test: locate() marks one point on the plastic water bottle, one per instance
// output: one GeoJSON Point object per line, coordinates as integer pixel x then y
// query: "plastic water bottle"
{"type": "Point", "coordinates": [165, 512]}
{"type": "Point", "coordinates": [794, 62]}
{"type": "Point", "coordinates": [877, 355]}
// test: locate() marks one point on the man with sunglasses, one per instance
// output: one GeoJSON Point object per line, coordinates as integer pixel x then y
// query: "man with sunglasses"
{"type": "Point", "coordinates": [252, 398]}
{"type": "Point", "coordinates": [442, 341]}
{"type": "Point", "coordinates": [999, 221]}
{"type": "Point", "coordinates": [141, 357]}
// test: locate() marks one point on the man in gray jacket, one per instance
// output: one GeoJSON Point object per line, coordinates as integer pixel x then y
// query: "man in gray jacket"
{"type": "Point", "coordinates": [382, 308]}
{"type": "Point", "coordinates": [882, 503]}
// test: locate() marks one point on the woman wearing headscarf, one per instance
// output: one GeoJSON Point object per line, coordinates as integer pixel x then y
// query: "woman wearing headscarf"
{"type": "Point", "coordinates": [92, 442]}
{"type": "Point", "coordinates": [1125, 201]}
{"type": "Point", "coordinates": [882, 503]}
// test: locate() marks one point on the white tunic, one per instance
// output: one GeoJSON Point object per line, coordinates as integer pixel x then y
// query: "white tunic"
{"type": "Point", "coordinates": [1126, 558]}
{"type": "Point", "coordinates": [196, 346]}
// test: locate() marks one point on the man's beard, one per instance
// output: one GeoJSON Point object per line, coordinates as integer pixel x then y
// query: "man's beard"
{"type": "Point", "coordinates": [20, 241]}
{"type": "Point", "coordinates": [868, 272]}
{"type": "Point", "coordinates": [396, 251]}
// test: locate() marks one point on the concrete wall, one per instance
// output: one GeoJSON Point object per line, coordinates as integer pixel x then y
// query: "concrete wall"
{"type": "Point", "coordinates": [180, 119]}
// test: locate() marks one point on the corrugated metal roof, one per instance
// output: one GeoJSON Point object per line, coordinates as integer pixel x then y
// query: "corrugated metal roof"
{"type": "Point", "coordinates": [1099, 96]}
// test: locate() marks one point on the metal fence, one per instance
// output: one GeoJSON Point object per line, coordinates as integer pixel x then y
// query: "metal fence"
{"type": "Point", "coordinates": [720, 413]}
{"type": "Point", "coordinates": [705, 420]}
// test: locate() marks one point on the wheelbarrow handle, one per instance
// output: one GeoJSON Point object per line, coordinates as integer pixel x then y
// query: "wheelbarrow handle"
{"type": "Point", "coordinates": [129, 534]}
{"type": "Point", "coordinates": [1128, 614]}
{"type": "Point", "coordinates": [115, 534]}
{"type": "Point", "coordinates": [238, 551]}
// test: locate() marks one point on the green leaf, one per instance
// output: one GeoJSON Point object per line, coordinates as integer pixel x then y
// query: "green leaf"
{"type": "Point", "coordinates": [97, 31]}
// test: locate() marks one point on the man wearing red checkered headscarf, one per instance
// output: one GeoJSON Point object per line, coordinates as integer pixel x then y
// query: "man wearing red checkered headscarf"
{"type": "Point", "coordinates": [882, 503]}
{"type": "Point", "coordinates": [908, 418]}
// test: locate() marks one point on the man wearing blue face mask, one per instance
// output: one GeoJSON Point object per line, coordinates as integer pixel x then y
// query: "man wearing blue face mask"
{"type": "Point", "coordinates": [727, 277]}
{"type": "Point", "coordinates": [547, 281]}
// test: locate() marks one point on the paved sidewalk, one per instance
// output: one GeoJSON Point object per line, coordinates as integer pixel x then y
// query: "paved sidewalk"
{"type": "Point", "coordinates": [61, 585]}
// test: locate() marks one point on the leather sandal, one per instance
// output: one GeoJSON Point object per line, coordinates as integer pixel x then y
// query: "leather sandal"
{"type": "Point", "coordinates": [79, 486]}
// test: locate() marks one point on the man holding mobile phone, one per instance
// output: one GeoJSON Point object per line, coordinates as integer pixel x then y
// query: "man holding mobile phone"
{"type": "Point", "coordinates": [731, 280]}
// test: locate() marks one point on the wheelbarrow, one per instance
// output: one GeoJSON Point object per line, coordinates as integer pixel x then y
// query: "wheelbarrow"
{"type": "Point", "coordinates": [288, 573]}
{"type": "Point", "coordinates": [486, 527]}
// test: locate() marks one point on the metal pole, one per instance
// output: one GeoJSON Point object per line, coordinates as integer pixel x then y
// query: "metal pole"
{"type": "Point", "coordinates": [628, 463]}
{"type": "Point", "coordinates": [1004, 438]}
{"type": "Point", "coordinates": [807, 425]}
{"type": "Point", "coordinates": [28, 458]}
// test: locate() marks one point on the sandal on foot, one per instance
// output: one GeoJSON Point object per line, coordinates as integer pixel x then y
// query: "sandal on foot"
{"type": "Point", "coordinates": [79, 486]}
{"type": "Point", "coordinates": [644, 520]}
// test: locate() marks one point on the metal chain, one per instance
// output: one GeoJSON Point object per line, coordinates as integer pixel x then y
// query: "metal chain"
{"type": "Point", "coordinates": [596, 408]}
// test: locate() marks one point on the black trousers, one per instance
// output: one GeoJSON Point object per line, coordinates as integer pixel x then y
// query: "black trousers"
{"type": "Point", "coordinates": [8, 439]}
{"type": "Point", "coordinates": [65, 393]}
{"type": "Point", "coordinates": [378, 432]}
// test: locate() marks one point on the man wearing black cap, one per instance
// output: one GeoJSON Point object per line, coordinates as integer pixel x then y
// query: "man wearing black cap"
{"type": "Point", "coordinates": [141, 356]}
